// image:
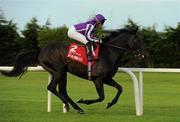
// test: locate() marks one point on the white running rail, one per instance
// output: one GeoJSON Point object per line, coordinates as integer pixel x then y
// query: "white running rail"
{"type": "Point", "coordinates": [138, 83]}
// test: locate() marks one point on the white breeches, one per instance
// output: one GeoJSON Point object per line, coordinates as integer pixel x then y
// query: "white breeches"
{"type": "Point", "coordinates": [72, 33]}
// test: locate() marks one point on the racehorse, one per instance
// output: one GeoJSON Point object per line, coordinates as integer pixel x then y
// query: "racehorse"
{"type": "Point", "coordinates": [53, 59]}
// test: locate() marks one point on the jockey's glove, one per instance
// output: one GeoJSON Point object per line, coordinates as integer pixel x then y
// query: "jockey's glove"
{"type": "Point", "coordinates": [97, 40]}
{"type": "Point", "coordinates": [100, 40]}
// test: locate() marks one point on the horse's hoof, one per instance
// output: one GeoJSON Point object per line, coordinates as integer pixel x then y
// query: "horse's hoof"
{"type": "Point", "coordinates": [80, 101]}
{"type": "Point", "coordinates": [109, 105]}
{"type": "Point", "coordinates": [66, 108]}
{"type": "Point", "coordinates": [81, 112]}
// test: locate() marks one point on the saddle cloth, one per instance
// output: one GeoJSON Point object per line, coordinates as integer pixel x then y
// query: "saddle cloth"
{"type": "Point", "coordinates": [78, 53]}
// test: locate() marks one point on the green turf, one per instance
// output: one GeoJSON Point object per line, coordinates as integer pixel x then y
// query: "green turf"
{"type": "Point", "coordinates": [25, 100]}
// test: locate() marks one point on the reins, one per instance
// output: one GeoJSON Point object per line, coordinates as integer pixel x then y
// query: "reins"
{"type": "Point", "coordinates": [114, 46]}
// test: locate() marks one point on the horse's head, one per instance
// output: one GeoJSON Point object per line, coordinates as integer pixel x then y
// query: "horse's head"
{"type": "Point", "coordinates": [127, 39]}
{"type": "Point", "coordinates": [135, 44]}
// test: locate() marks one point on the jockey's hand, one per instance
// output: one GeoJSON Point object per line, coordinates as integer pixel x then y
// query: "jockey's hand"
{"type": "Point", "coordinates": [100, 40]}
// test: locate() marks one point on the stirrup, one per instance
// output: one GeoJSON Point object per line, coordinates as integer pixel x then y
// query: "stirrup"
{"type": "Point", "coordinates": [89, 70]}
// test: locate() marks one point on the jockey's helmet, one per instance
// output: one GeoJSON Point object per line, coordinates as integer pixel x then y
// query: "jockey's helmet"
{"type": "Point", "coordinates": [100, 18]}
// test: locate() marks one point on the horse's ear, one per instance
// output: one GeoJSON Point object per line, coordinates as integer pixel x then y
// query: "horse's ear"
{"type": "Point", "coordinates": [135, 30]}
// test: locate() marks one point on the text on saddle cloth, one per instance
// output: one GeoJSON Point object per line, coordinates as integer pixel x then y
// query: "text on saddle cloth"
{"type": "Point", "coordinates": [78, 53]}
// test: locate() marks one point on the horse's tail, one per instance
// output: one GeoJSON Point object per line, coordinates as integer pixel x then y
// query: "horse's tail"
{"type": "Point", "coordinates": [22, 62]}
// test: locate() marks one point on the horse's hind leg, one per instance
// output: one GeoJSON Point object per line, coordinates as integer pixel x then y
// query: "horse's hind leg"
{"type": "Point", "coordinates": [113, 83]}
{"type": "Point", "coordinates": [62, 90]}
{"type": "Point", "coordinates": [52, 87]}
{"type": "Point", "coordinates": [100, 91]}
{"type": "Point", "coordinates": [59, 77]}
{"type": "Point", "coordinates": [56, 77]}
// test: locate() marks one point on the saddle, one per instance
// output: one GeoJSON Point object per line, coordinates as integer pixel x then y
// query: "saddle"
{"type": "Point", "coordinates": [77, 53]}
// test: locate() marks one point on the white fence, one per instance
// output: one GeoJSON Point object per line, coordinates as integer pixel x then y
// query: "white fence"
{"type": "Point", "coordinates": [138, 83]}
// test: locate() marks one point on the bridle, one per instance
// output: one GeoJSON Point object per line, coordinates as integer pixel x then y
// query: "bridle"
{"type": "Point", "coordinates": [118, 47]}
{"type": "Point", "coordinates": [136, 52]}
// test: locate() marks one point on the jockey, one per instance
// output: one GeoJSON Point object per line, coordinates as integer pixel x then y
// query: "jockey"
{"type": "Point", "coordinates": [83, 32]}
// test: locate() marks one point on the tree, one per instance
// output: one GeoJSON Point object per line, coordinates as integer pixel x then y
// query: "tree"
{"type": "Point", "coordinates": [173, 41]}
{"type": "Point", "coordinates": [31, 35]}
{"type": "Point", "coordinates": [9, 42]}
{"type": "Point", "coordinates": [152, 45]}
{"type": "Point", "coordinates": [131, 24]}
{"type": "Point", "coordinates": [47, 35]}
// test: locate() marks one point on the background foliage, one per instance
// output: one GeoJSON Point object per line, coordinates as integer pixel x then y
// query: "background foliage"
{"type": "Point", "coordinates": [162, 48]}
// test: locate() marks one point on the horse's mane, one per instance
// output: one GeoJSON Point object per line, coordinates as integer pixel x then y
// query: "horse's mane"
{"type": "Point", "coordinates": [114, 33]}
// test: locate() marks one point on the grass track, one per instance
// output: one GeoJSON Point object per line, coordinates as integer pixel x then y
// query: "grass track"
{"type": "Point", "coordinates": [25, 100]}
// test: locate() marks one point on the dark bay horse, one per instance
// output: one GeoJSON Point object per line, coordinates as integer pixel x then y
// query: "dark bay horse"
{"type": "Point", "coordinates": [53, 59]}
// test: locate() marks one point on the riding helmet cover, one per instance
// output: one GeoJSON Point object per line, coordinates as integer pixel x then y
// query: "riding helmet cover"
{"type": "Point", "coordinates": [100, 18]}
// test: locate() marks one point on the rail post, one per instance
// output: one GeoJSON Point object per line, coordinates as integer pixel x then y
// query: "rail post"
{"type": "Point", "coordinates": [137, 93]}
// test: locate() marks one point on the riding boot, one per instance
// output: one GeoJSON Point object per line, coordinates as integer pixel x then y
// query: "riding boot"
{"type": "Point", "coordinates": [89, 51]}
{"type": "Point", "coordinates": [89, 56]}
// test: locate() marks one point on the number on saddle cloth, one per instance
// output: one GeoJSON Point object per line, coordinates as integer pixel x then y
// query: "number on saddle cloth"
{"type": "Point", "coordinates": [78, 53]}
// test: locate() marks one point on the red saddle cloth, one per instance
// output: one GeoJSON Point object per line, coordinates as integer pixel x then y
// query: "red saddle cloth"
{"type": "Point", "coordinates": [78, 53]}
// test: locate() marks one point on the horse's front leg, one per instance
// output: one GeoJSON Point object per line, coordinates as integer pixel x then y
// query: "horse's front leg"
{"type": "Point", "coordinates": [114, 84]}
{"type": "Point", "coordinates": [100, 90]}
